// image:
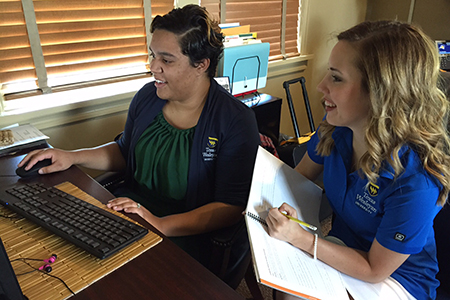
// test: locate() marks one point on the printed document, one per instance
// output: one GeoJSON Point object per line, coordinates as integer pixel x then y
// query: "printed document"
{"type": "Point", "coordinates": [24, 136]}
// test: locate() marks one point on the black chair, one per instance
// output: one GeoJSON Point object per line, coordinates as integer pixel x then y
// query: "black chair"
{"type": "Point", "coordinates": [441, 229]}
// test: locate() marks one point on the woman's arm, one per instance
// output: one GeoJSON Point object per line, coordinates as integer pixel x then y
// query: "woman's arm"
{"type": "Point", "coordinates": [308, 168]}
{"type": "Point", "coordinates": [106, 157]}
{"type": "Point", "coordinates": [373, 266]}
{"type": "Point", "coordinates": [203, 219]}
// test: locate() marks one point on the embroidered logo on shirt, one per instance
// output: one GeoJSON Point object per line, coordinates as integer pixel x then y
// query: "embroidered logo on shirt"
{"type": "Point", "coordinates": [365, 199]}
{"type": "Point", "coordinates": [399, 237]}
{"type": "Point", "coordinates": [212, 142]}
{"type": "Point", "coordinates": [210, 152]}
{"type": "Point", "coordinates": [373, 189]}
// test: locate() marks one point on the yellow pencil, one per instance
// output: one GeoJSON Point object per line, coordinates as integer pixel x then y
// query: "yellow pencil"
{"type": "Point", "coordinates": [312, 227]}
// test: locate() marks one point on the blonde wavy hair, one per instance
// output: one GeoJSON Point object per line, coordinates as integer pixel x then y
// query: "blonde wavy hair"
{"type": "Point", "coordinates": [400, 70]}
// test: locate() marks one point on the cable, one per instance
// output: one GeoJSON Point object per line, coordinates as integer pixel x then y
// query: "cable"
{"type": "Point", "coordinates": [34, 269]}
{"type": "Point", "coordinates": [65, 284]}
{"type": "Point", "coordinates": [24, 260]}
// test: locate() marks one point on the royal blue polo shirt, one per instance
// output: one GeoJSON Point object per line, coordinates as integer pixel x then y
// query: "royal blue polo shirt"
{"type": "Point", "coordinates": [398, 213]}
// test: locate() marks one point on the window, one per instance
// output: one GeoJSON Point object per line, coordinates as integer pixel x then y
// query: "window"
{"type": "Point", "coordinates": [274, 21]}
{"type": "Point", "coordinates": [50, 43]}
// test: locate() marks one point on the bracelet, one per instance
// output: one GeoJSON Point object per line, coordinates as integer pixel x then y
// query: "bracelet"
{"type": "Point", "coordinates": [316, 237]}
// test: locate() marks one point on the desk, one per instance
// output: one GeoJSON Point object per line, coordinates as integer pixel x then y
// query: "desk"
{"type": "Point", "coordinates": [267, 110]}
{"type": "Point", "coordinates": [163, 272]}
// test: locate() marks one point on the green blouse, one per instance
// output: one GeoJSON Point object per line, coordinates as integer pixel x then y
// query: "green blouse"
{"type": "Point", "coordinates": [162, 165]}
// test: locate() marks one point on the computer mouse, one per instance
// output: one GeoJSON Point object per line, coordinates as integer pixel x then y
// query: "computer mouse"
{"type": "Point", "coordinates": [34, 169]}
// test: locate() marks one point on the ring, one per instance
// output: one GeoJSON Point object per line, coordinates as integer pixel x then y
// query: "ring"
{"type": "Point", "coordinates": [138, 205]}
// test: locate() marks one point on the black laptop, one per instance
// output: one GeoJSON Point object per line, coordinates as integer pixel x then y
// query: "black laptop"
{"type": "Point", "coordinates": [9, 286]}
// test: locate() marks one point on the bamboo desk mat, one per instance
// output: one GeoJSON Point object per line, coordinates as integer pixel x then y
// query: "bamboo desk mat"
{"type": "Point", "coordinates": [78, 269]}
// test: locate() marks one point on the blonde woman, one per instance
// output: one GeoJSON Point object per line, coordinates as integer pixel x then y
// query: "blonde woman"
{"type": "Point", "coordinates": [383, 149]}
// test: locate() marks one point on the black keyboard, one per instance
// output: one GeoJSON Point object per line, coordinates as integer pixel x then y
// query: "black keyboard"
{"type": "Point", "coordinates": [93, 229]}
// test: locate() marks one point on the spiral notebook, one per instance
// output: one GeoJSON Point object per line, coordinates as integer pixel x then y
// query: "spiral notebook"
{"type": "Point", "coordinates": [278, 264]}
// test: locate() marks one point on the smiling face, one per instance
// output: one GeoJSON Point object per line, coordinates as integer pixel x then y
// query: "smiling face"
{"type": "Point", "coordinates": [345, 101]}
{"type": "Point", "coordinates": [175, 78]}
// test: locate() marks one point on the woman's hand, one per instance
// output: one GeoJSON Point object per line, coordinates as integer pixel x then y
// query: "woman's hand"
{"type": "Point", "coordinates": [130, 206]}
{"type": "Point", "coordinates": [61, 160]}
{"type": "Point", "coordinates": [282, 228]}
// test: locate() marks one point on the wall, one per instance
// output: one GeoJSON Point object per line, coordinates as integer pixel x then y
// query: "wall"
{"type": "Point", "coordinates": [389, 10]}
{"type": "Point", "coordinates": [431, 15]}
{"type": "Point", "coordinates": [326, 18]}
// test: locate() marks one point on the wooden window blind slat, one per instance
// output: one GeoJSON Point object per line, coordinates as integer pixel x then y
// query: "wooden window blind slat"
{"type": "Point", "coordinates": [93, 35]}
{"type": "Point", "coordinates": [98, 65]}
{"type": "Point", "coordinates": [87, 26]}
{"type": "Point", "coordinates": [11, 19]}
{"type": "Point", "coordinates": [89, 56]}
{"type": "Point", "coordinates": [13, 30]}
{"type": "Point", "coordinates": [18, 75]}
{"type": "Point", "coordinates": [10, 6]}
{"type": "Point", "coordinates": [88, 15]}
{"type": "Point", "coordinates": [14, 53]}
{"type": "Point", "coordinates": [90, 46]}
{"type": "Point", "coordinates": [14, 42]}
{"type": "Point", "coordinates": [16, 64]}
{"type": "Point", "coordinates": [161, 7]}
{"type": "Point", "coordinates": [72, 5]}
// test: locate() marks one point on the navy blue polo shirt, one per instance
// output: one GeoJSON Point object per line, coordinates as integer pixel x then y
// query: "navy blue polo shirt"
{"type": "Point", "coordinates": [398, 213]}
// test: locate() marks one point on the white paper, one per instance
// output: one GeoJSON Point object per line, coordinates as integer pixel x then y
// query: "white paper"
{"type": "Point", "coordinates": [362, 290]}
{"type": "Point", "coordinates": [278, 264]}
{"type": "Point", "coordinates": [24, 134]}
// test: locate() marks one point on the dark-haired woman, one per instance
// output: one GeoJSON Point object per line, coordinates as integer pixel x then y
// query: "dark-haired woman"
{"type": "Point", "coordinates": [188, 147]}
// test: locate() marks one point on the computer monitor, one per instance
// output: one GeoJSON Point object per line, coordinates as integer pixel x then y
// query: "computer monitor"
{"type": "Point", "coordinates": [443, 47]}
{"type": "Point", "coordinates": [444, 53]}
{"type": "Point", "coordinates": [9, 286]}
{"type": "Point", "coordinates": [246, 67]}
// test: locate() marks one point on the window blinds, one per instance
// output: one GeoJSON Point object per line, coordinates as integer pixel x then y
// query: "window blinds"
{"type": "Point", "coordinates": [16, 61]}
{"type": "Point", "coordinates": [81, 40]}
{"type": "Point", "coordinates": [84, 40]}
{"type": "Point", "coordinates": [267, 18]}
